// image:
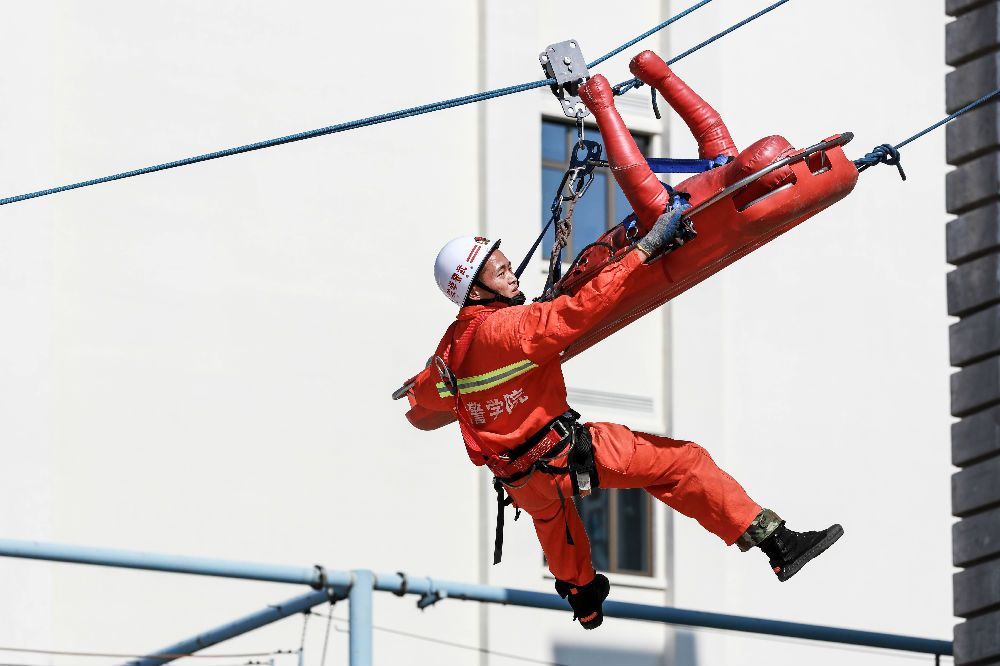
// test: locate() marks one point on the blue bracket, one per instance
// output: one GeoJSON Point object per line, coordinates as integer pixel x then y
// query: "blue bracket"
{"type": "Point", "coordinates": [675, 165]}
{"type": "Point", "coordinates": [671, 165]}
{"type": "Point", "coordinates": [431, 597]}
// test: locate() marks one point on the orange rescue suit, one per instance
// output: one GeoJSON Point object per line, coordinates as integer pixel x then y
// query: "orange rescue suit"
{"type": "Point", "coordinates": [511, 385]}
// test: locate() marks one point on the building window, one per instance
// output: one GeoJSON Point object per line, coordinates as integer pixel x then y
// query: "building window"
{"type": "Point", "coordinates": [602, 207]}
{"type": "Point", "coordinates": [619, 524]}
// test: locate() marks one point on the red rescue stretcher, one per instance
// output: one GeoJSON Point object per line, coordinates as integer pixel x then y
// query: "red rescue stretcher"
{"type": "Point", "coordinates": [735, 208]}
{"type": "Point", "coordinates": [728, 230]}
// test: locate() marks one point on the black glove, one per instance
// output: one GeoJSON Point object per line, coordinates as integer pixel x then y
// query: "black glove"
{"type": "Point", "coordinates": [665, 230]}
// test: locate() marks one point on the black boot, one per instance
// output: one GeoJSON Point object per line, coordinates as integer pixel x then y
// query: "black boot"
{"type": "Point", "coordinates": [788, 551]}
{"type": "Point", "coordinates": [586, 600]}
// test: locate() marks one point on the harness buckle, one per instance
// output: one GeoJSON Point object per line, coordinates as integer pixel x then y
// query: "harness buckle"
{"type": "Point", "coordinates": [564, 432]}
{"type": "Point", "coordinates": [580, 173]}
{"type": "Point", "coordinates": [557, 433]}
{"type": "Point", "coordinates": [447, 376]}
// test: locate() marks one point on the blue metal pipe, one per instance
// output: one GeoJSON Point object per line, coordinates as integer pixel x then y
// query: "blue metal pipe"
{"type": "Point", "coordinates": [431, 591]}
{"type": "Point", "coordinates": [360, 615]}
{"type": "Point", "coordinates": [236, 628]}
{"type": "Point", "coordinates": [428, 588]}
{"type": "Point", "coordinates": [129, 559]}
{"type": "Point", "coordinates": [777, 628]}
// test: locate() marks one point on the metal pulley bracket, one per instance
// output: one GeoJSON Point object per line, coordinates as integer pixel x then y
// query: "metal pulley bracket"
{"type": "Point", "coordinates": [586, 153]}
{"type": "Point", "coordinates": [564, 62]}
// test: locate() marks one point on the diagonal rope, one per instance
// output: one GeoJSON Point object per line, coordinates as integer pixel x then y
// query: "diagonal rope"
{"type": "Point", "coordinates": [727, 31]}
{"type": "Point", "coordinates": [889, 154]}
{"type": "Point", "coordinates": [979, 102]}
{"type": "Point", "coordinates": [647, 34]}
{"type": "Point", "coordinates": [625, 86]}
{"type": "Point", "coordinates": [342, 127]}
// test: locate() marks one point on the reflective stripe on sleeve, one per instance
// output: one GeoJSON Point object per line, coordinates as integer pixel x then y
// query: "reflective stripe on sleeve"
{"type": "Point", "coordinates": [488, 380]}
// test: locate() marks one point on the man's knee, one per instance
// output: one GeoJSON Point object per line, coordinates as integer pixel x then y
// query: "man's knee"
{"type": "Point", "coordinates": [546, 513]}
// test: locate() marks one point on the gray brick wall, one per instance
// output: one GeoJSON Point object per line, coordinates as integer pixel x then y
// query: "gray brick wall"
{"type": "Point", "coordinates": [972, 47]}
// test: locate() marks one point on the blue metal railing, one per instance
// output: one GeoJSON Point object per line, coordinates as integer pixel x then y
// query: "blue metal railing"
{"type": "Point", "coordinates": [359, 585]}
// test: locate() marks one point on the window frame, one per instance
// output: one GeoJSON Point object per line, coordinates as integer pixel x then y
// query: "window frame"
{"type": "Point", "coordinates": [661, 541]}
{"type": "Point", "coordinates": [614, 530]}
{"type": "Point", "coordinates": [610, 186]}
{"type": "Point", "coordinates": [660, 519]}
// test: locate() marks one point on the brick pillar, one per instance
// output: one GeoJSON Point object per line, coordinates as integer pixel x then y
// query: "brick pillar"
{"type": "Point", "coordinates": [972, 46]}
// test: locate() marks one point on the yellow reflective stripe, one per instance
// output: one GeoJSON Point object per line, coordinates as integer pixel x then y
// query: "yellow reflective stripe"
{"type": "Point", "coordinates": [488, 380]}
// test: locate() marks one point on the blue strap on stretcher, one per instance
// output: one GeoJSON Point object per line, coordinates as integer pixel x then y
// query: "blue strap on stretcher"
{"type": "Point", "coordinates": [671, 165]}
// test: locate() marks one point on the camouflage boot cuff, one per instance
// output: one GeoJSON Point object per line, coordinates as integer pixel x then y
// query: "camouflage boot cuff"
{"type": "Point", "coordinates": [762, 526]}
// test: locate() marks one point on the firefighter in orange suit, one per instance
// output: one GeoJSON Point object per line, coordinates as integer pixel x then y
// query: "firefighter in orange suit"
{"type": "Point", "coordinates": [497, 367]}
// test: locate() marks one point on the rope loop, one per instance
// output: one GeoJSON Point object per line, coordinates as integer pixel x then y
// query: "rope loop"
{"type": "Point", "coordinates": [884, 154]}
{"type": "Point", "coordinates": [625, 86]}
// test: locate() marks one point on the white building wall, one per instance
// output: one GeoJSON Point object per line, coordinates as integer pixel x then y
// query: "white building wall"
{"type": "Point", "coordinates": [223, 338]}
{"type": "Point", "coordinates": [199, 361]}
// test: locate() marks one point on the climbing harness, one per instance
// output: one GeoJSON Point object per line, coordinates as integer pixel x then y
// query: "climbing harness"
{"type": "Point", "coordinates": [563, 437]}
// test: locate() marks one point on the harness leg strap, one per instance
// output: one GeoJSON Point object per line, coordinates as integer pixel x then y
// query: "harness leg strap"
{"type": "Point", "coordinates": [562, 505]}
{"type": "Point", "coordinates": [579, 466]}
{"type": "Point", "coordinates": [498, 539]}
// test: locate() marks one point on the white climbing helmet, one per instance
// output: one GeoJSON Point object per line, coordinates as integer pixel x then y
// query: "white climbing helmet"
{"type": "Point", "coordinates": [458, 264]}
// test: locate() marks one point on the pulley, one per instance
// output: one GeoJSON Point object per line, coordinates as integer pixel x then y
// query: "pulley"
{"type": "Point", "coordinates": [564, 62]}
